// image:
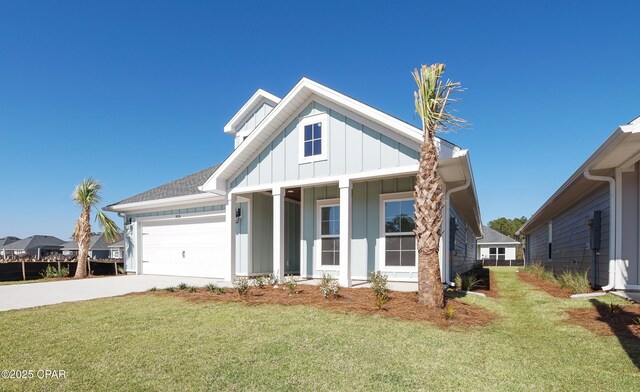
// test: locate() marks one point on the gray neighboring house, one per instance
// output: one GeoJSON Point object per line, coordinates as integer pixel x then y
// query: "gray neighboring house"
{"type": "Point", "coordinates": [6, 241]}
{"type": "Point", "coordinates": [497, 246]}
{"type": "Point", "coordinates": [37, 246]}
{"type": "Point", "coordinates": [98, 248]}
{"type": "Point", "coordinates": [116, 250]}
{"type": "Point", "coordinates": [592, 222]}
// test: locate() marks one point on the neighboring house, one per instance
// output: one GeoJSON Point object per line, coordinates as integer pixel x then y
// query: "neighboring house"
{"type": "Point", "coordinates": [98, 248]}
{"type": "Point", "coordinates": [592, 223]}
{"type": "Point", "coordinates": [496, 246]}
{"type": "Point", "coordinates": [37, 246]}
{"type": "Point", "coordinates": [6, 241]}
{"type": "Point", "coordinates": [116, 250]}
{"type": "Point", "coordinates": [318, 183]}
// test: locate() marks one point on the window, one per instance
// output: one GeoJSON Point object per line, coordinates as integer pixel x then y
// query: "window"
{"type": "Point", "coordinates": [399, 240]}
{"type": "Point", "coordinates": [313, 133]}
{"type": "Point", "coordinates": [496, 253]}
{"type": "Point", "coordinates": [313, 139]}
{"type": "Point", "coordinates": [330, 235]}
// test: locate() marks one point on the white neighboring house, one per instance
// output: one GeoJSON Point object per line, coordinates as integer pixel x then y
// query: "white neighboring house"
{"type": "Point", "coordinates": [497, 246]}
{"type": "Point", "coordinates": [318, 183]}
{"type": "Point", "coordinates": [116, 250]}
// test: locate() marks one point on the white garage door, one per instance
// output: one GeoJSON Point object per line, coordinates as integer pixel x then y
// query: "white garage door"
{"type": "Point", "coordinates": [185, 247]}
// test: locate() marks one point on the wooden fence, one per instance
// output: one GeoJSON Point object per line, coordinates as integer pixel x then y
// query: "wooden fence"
{"type": "Point", "coordinates": [32, 270]}
{"type": "Point", "coordinates": [501, 263]}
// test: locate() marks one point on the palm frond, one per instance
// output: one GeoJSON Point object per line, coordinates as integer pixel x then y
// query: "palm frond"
{"type": "Point", "coordinates": [109, 227]}
{"type": "Point", "coordinates": [87, 193]}
{"type": "Point", "coordinates": [432, 100]}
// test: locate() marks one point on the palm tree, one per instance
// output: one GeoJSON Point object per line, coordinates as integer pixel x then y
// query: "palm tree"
{"type": "Point", "coordinates": [87, 196]}
{"type": "Point", "coordinates": [431, 101]}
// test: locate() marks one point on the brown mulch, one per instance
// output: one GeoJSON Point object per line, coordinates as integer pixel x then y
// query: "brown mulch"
{"type": "Point", "coordinates": [599, 320]}
{"type": "Point", "coordinates": [550, 288]}
{"type": "Point", "coordinates": [401, 305]}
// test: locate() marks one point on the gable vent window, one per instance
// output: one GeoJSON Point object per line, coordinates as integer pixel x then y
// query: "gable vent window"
{"type": "Point", "coordinates": [313, 133]}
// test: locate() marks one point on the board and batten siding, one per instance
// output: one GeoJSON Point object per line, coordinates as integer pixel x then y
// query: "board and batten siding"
{"type": "Point", "coordinates": [463, 257]}
{"type": "Point", "coordinates": [352, 147]}
{"type": "Point", "coordinates": [250, 122]}
{"type": "Point", "coordinates": [630, 227]}
{"type": "Point", "coordinates": [570, 237]}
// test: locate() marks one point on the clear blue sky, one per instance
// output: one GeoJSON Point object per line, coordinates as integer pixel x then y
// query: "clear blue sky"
{"type": "Point", "coordinates": [136, 93]}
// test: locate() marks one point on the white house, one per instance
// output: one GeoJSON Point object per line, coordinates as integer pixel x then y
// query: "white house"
{"type": "Point", "coordinates": [592, 222]}
{"type": "Point", "coordinates": [496, 246]}
{"type": "Point", "coordinates": [98, 248]}
{"type": "Point", "coordinates": [318, 182]}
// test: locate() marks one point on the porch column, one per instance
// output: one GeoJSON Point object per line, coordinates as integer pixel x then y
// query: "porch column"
{"type": "Point", "coordinates": [345, 233]}
{"type": "Point", "coordinates": [231, 225]}
{"type": "Point", "coordinates": [278, 232]}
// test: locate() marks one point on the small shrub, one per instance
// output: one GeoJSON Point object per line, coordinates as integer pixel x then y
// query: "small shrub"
{"type": "Point", "coordinates": [614, 309]}
{"type": "Point", "coordinates": [191, 289]}
{"type": "Point", "coordinates": [182, 286]}
{"type": "Point", "coordinates": [170, 289]}
{"type": "Point", "coordinates": [241, 284]}
{"type": "Point", "coordinates": [449, 312]}
{"type": "Point", "coordinates": [154, 288]}
{"type": "Point", "coordinates": [290, 285]}
{"type": "Point", "coordinates": [329, 287]}
{"type": "Point", "coordinates": [212, 287]}
{"type": "Point", "coordinates": [379, 285]}
{"type": "Point", "coordinates": [577, 282]}
{"type": "Point", "coordinates": [261, 281]}
{"type": "Point", "coordinates": [468, 281]}
{"type": "Point", "coordinates": [53, 272]}
{"type": "Point", "coordinates": [272, 280]}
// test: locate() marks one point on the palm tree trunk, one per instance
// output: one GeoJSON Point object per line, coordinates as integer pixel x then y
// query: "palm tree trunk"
{"type": "Point", "coordinates": [83, 238]}
{"type": "Point", "coordinates": [428, 217]}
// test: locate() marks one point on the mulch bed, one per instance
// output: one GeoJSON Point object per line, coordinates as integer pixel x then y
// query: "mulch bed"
{"type": "Point", "coordinates": [401, 305]}
{"type": "Point", "coordinates": [550, 288]}
{"type": "Point", "coordinates": [599, 320]}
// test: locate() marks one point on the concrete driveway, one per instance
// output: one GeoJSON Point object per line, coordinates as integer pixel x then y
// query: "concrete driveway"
{"type": "Point", "coordinates": [28, 295]}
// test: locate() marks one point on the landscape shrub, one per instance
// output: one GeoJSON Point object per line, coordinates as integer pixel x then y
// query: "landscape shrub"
{"type": "Point", "coordinates": [154, 288]}
{"type": "Point", "coordinates": [380, 287]}
{"type": "Point", "coordinates": [614, 309]}
{"type": "Point", "coordinates": [182, 286]}
{"type": "Point", "coordinates": [468, 281]}
{"type": "Point", "coordinates": [170, 289]}
{"type": "Point", "coordinates": [329, 287]}
{"type": "Point", "coordinates": [261, 281]}
{"type": "Point", "coordinates": [53, 272]}
{"type": "Point", "coordinates": [449, 312]}
{"type": "Point", "coordinates": [212, 287]}
{"type": "Point", "coordinates": [576, 281]}
{"type": "Point", "coordinates": [290, 285]}
{"type": "Point", "coordinates": [242, 285]}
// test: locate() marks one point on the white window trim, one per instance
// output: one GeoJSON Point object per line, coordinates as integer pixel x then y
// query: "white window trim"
{"type": "Point", "coordinates": [318, 240]}
{"type": "Point", "coordinates": [322, 118]}
{"type": "Point", "coordinates": [381, 264]}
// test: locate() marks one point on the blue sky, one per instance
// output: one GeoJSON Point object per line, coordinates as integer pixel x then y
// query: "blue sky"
{"type": "Point", "coordinates": [136, 94]}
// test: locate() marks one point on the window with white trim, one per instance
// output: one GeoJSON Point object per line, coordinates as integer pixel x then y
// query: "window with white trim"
{"type": "Point", "coordinates": [330, 235]}
{"type": "Point", "coordinates": [313, 133]}
{"type": "Point", "coordinates": [399, 239]}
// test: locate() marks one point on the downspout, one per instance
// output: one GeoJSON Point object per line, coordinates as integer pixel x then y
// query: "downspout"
{"type": "Point", "coordinates": [612, 226]}
{"type": "Point", "coordinates": [447, 218]}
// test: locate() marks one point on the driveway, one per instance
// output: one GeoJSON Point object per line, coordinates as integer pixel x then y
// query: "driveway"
{"type": "Point", "coordinates": [28, 295]}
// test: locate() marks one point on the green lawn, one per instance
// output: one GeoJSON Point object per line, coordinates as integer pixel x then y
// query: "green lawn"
{"type": "Point", "coordinates": [146, 342]}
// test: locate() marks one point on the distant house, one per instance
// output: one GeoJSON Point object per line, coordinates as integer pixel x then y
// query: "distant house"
{"type": "Point", "coordinates": [496, 246]}
{"type": "Point", "coordinates": [116, 250]}
{"type": "Point", "coordinates": [37, 246]}
{"type": "Point", "coordinates": [6, 241]}
{"type": "Point", "coordinates": [98, 248]}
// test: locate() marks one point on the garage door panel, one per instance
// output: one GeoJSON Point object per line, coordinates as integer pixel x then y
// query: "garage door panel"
{"type": "Point", "coordinates": [201, 240]}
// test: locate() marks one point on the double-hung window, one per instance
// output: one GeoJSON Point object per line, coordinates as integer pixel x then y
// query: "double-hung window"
{"type": "Point", "coordinates": [496, 253]}
{"type": "Point", "coordinates": [399, 239]}
{"type": "Point", "coordinates": [330, 235]}
{"type": "Point", "coordinates": [313, 133]}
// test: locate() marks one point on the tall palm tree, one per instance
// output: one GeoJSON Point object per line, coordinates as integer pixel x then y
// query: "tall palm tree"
{"type": "Point", "coordinates": [87, 196]}
{"type": "Point", "coordinates": [431, 102]}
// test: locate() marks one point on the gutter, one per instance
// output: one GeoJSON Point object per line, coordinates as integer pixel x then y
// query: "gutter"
{"type": "Point", "coordinates": [447, 218]}
{"type": "Point", "coordinates": [612, 225]}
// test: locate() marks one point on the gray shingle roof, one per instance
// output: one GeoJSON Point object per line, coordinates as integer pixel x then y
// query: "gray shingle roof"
{"type": "Point", "coordinates": [494, 237]}
{"type": "Point", "coordinates": [119, 244]}
{"type": "Point", "coordinates": [7, 240]}
{"type": "Point", "coordinates": [181, 187]}
{"type": "Point", "coordinates": [36, 241]}
{"type": "Point", "coordinates": [97, 243]}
